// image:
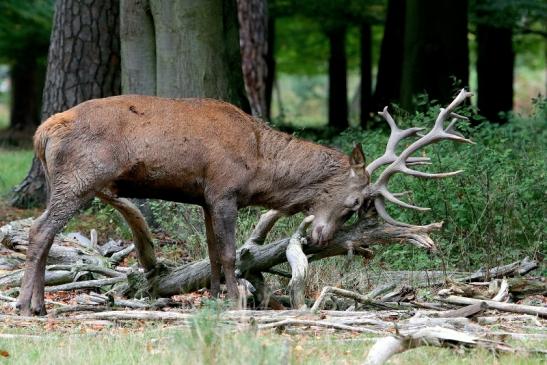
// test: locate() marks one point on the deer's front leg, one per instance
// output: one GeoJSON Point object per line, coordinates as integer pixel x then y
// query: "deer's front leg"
{"type": "Point", "coordinates": [214, 254]}
{"type": "Point", "coordinates": [223, 217]}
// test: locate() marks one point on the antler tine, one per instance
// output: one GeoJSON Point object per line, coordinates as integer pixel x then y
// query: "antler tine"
{"type": "Point", "coordinates": [444, 113]}
{"type": "Point", "coordinates": [400, 163]}
{"type": "Point", "coordinates": [395, 137]}
{"type": "Point", "coordinates": [386, 194]}
{"type": "Point", "coordinates": [428, 175]}
{"type": "Point", "coordinates": [380, 206]}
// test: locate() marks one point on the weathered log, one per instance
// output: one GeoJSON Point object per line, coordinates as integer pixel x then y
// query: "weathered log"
{"type": "Point", "coordinates": [521, 287]}
{"type": "Point", "coordinates": [64, 251]}
{"type": "Point", "coordinates": [253, 258]}
{"type": "Point", "coordinates": [467, 311]}
{"type": "Point", "coordinates": [516, 268]}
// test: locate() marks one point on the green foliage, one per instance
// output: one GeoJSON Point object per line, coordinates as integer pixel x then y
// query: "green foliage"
{"type": "Point", "coordinates": [493, 212]}
{"type": "Point", "coordinates": [522, 15]}
{"type": "Point", "coordinates": [25, 27]}
{"type": "Point", "coordinates": [301, 45]}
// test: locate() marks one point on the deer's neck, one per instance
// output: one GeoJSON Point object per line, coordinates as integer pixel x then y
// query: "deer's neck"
{"type": "Point", "coordinates": [294, 174]}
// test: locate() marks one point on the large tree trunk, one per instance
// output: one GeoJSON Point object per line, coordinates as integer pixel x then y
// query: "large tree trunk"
{"type": "Point", "coordinates": [390, 67]}
{"type": "Point", "coordinates": [160, 54]}
{"type": "Point", "coordinates": [435, 50]}
{"type": "Point", "coordinates": [366, 74]}
{"type": "Point", "coordinates": [185, 48]}
{"type": "Point", "coordinates": [338, 104]}
{"type": "Point", "coordinates": [83, 63]}
{"type": "Point", "coordinates": [253, 39]}
{"type": "Point", "coordinates": [26, 76]}
{"type": "Point", "coordinates": [495, 63]}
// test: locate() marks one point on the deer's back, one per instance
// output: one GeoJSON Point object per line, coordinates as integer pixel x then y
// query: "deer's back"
{"type": "Point", "coordinates": [178, 149]}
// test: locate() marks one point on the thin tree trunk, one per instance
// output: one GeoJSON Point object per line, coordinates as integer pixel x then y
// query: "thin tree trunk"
{"type": "Point", "coordinates": [83, 63]}
{"type": "Point", "coordinates": [26, 84]}
{"type": "Point", "coordinates": [366, 74]}
{"type": "Point", "coordinates": [270, 61]}
{"type": "Point", "coordinates": [495, 64]}
{"type": "Point", "coordinates": [390, 67]}
{"type": "Point", "coordinates": [253, 39]}
{"type": "Point", "coordinates": [435, 50]}
{"type": "Point", "coordinates": [338, 104]}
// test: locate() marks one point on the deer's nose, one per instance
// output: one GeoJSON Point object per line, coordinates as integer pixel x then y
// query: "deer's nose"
{"type": "Point", "coordinates": [317, 234]}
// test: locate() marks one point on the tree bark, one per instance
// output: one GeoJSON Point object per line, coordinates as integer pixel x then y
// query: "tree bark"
{"type": "Point", "coordinates": [138, 48]}
{"type": "Point", "coordinates": [390, 66]}
{"type": "Point", "coordinates": [495, 64]}
{"type": "Point", "coordinates": [338, 104]}
{"type": "Point", "coordinates": [435, 50]}
{"type": "Point", "coordinates": [253, 39]}
{"type": "Point", "coordinates": [83, 63]}
{"type": "Point", "coordinates": [26, 84]}
{"type": "Point", "coordinates": [209, 67]}
{"type": "Point", "coordinates": [366, 74]}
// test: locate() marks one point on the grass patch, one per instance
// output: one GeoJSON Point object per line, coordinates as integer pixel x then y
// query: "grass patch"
{"type": "Point", "coordinates": [207, 341]}
{"type": "Point", "coordinates": [14, 165]}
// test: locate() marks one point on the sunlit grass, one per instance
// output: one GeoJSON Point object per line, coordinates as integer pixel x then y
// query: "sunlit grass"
{"type": "Point", "coordinates": [14, 165]}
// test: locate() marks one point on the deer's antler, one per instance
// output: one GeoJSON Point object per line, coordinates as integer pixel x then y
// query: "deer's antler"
{"type": "Point", "coordinates": [401, 163]}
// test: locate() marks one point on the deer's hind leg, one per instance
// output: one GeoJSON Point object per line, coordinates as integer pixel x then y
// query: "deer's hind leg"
{"type": "Point", "coordinates": [62, 206]}
{"type": "Point", "coordinates": [139, 228]}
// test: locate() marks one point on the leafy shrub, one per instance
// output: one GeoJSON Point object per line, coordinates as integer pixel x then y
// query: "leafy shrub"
{"type": "Point", "coordinates": [493, 212]}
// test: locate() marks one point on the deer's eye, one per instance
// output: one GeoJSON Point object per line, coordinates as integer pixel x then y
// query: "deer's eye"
{"type": "Point", "coordinates": [351, 202]}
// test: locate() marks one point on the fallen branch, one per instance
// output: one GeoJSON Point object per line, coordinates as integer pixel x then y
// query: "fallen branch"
{"type": "Point", "coordinates": [325, 324]}
{"type": "Point", "coordinates": [299, 265]}
{"type": "Point", "coordinates": [87, 284]}
{"type": "Point", "coordinates": [505, 307]}
{"type": "Point", "coordinates": [364, 299]}
{"type": "Point", "coordinates": [467, 311]}
{"type": "Point", "coordinates": [386, 347]}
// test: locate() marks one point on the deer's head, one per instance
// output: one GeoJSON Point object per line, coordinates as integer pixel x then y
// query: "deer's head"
{"type": "Point", "coordinates": [341, 200]}
{"type": "Point", "coordinates": [351, 198]}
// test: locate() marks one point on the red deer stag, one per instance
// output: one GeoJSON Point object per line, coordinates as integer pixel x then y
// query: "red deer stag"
{"type": "Point", "coordinates": [204, 152]}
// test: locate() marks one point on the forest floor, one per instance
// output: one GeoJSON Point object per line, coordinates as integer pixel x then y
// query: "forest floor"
{"type": "Point", "coordinates": [205, 338]}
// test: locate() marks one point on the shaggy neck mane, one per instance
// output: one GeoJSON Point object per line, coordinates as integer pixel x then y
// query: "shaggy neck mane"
{"type": "Point", "coordinates": [294, 174]}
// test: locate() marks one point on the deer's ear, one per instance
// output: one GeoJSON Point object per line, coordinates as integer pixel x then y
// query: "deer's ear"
{"type": "Point", "coordinates": [357, 160]}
